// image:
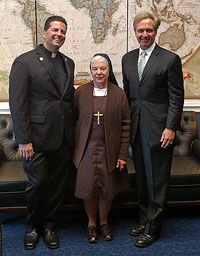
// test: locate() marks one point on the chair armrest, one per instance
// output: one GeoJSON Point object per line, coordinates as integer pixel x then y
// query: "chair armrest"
{"type": "Point", "coordinates": [1, 153]}
{"type": "Point", "coordinates": [196, 148]}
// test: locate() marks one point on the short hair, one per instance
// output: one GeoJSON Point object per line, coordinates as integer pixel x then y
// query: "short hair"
{"type": "Point", "coordinates": [98, 58]}
{"type": "Point", "coordinates": [146, 15]}
{"type": "Point", "coordinates": [47, 23]}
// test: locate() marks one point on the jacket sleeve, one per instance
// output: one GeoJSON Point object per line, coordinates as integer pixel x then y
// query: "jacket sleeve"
{"type": "Point", "coordinates": [176, 94]}
{"type": "Point", "coordinates": [125, 130]}
{"type": "Point", "coordinates": [19, 92]}
{"type": "Point", "coordinates": [125, 81]}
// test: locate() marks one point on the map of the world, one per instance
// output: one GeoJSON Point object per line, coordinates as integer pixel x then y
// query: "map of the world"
{"type": "Point", "coordinates": [100, 26]}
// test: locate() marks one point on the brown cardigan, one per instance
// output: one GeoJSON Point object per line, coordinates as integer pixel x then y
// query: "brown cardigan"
{"type": "Point", "coordinates": [117, 123]}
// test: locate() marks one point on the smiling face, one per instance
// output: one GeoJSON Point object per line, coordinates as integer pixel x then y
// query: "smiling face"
{"type": "Point", "coordinates": [145, 33]}
{"type": "Point", "coordinates": [54, 36]}
{"type": "Point", "coordinates": [100, 72]}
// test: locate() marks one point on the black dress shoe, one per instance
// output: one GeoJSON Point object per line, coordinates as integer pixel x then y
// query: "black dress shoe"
{"type": "Point", "coordinates": [91, 234]}
{"type": "Point", "coordinates": [31, 238]}
{"type": "Point", "coordinates": [137, 230]}
{"type": "Point", "coordinates": [145, 240]}
{"type": "Point", "coordinates": [50, 238]}
{"type": "Point", "coordinates": [106, 232]}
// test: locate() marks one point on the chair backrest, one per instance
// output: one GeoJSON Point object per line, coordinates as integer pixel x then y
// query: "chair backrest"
{"type": "Point", "coordinates": [187, 133]}
{"type": "Point", "coordinates": [9, 147]}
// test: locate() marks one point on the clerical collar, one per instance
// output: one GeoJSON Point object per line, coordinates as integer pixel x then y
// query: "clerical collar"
{"type": "Point", "coordinates": [51, 54]}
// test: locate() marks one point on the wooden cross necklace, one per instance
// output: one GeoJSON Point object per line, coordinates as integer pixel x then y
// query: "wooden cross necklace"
{"type": "Point", "coordinates": [98, 115]}
{"type": "Point", "coordinates": [99, 92]}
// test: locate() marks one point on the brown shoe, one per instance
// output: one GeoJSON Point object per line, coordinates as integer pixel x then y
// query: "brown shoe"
{"type": "Point", "coordinates": [106, 232]}
{"type": "Point", "coordinates": [91, 234]}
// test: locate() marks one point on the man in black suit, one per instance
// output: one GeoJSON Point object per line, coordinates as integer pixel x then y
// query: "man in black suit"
{"type": "Point", "coordinates": [41, 98]}
{"type": "Point", "coordinates": [156, 97]}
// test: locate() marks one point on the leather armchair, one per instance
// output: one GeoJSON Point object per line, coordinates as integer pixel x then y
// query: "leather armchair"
{"type": "Point", "coordinates": [185, 174]}
{"type": "Point", "coordinates": [184, 186]}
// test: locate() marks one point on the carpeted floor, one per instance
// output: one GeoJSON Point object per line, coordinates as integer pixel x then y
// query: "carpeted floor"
{"type": "Point", "coordinates": [180, 236]}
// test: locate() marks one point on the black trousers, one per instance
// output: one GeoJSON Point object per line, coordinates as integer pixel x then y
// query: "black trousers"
{"type": "Point", "coordinates": [152, 167]}
{"type": "Point", "coordinates": [47, 177]}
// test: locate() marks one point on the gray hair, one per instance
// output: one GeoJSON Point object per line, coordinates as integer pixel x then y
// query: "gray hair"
{"type": "Point", "coordinates": [146, 15]}
{"type": "Point", "coordinates": [98, 58]}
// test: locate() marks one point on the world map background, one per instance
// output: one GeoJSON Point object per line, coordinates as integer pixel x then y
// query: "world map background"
{"type": "Point", "coordinates": [100, 26]}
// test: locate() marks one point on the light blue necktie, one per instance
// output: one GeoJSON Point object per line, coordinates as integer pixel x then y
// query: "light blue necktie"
{"type": "Point", "coordinates": [141, 64]}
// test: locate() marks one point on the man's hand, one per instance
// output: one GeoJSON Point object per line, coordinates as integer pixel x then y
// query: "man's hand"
{"type": "Point", "coordinates": [121, 164]}
{"type": "Point", "coordinates": [26, 151]}
{"type": "Point", "coordinates": [167, 138]}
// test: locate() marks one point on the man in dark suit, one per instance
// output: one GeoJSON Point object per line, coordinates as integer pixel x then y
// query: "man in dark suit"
{"type": "Point", "coordinates": [156, 97]}
{"type": "Point", "coordinates": [41, 95]}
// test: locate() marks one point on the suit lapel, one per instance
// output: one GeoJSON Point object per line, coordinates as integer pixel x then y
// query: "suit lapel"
{"type": "Point", "coordinates": [152, 59]}
{"type": "Point", "coordinates": [132, 64]}
{"type": "Point", "coordinates": [68, 73]}
{"type": "Point", "coordinates": [45, 63]}
{"type": "Point", "coordinates": [134, 60]}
